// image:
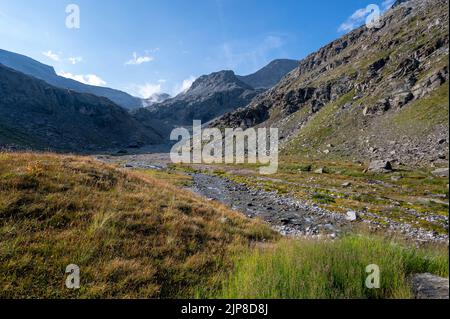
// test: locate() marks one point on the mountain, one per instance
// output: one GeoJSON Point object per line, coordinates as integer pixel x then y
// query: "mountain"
{"type": "Point", "coordinates": [215, 94]}
{"type": "Point", "coordinates": [269, 75]}
{"type": "Point", "coordinates": [209, 96]}
{"type": "Point", "coordinates": [44, 72]}
{"type": "Point", "coordinates": [372, 94]}
{"type": "Point", "coordinates": [38, 115]}
{"type": "Point", "coordinates": [155, 98]}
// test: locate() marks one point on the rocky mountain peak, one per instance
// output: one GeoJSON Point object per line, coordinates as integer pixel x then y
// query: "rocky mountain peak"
{"type": "Point", "coordinates": [217, 81]}
{"type": "Point", "coordinates": [270, 75]}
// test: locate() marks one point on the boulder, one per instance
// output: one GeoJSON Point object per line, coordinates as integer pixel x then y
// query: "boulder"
{"type": "Point", "coordinates": [319, 170]}
{"type": "Point", "coordinates": [428, 286]}
{"type": "Point", "coordinates": [380, 166]}
{"type": "Point", "coordinates": [440, 172]}
{"type": "Point", "coordinates": [346, 184]}
{"type": "Point", "coordinates": [402, 99]}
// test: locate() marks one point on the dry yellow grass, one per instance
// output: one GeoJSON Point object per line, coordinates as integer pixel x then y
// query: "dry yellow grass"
{"type": "Point", "coordinates": [131, 234]}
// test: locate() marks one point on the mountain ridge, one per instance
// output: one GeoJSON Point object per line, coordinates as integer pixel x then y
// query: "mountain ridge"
{"type": "Point", "coordinates": [269, 75]}
{"type": "Point", "coordinates": [216, 93]}
{"type": "Point", "coordinates": [47, 73]}
{"type": "Point", "coordinates": [36, 114]}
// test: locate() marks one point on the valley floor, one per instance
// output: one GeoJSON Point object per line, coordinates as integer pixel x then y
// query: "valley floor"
{"type": "Point", "coordinates": [136, 228]}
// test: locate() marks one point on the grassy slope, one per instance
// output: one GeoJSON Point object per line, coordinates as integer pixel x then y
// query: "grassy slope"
{"type": "Point", "coordinates": [419, 117]}
{"type": "Point", "coordinates": [131, 235]}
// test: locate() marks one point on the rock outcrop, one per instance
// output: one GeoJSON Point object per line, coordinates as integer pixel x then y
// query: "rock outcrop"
{"type": "Point", "coordinates": [428, 286]}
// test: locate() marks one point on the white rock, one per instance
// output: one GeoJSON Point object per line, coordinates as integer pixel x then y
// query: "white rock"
{"type": "Point", "coordinates": [351, 216]}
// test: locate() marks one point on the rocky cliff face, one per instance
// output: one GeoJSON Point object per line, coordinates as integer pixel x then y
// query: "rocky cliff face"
{"type": "Point", "coordinates": [374, 93]}
{"type": "Point", "coordinates": [37, 115]}
{"type": "Point", "coordinates": [44, 72]}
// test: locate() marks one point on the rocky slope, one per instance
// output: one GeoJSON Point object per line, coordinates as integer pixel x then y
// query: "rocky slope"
{"type": "Point", "coordinates": [374, 93]}
{"type": "Point", "coordinates": [37, 115]}
{"type": "Point", "coordinates": [44, 72]}
{"type": "Point", "coordinates": [270, 75]}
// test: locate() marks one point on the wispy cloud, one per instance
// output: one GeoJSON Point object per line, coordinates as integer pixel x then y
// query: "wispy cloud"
{"type": "Point", "coordinates": [90, 79]}
{"type": "Point", "coordinates": [148, 89]}
{"type": "Point", "coordinates": [145, 90]}
{"type": "Point", "coordinates": [75, 60]}
{"type": "Point", "coordinates": [137, 60]}
{"type": "Point", "coordinates": [356, 19]}
{"type": "Point", "coordinates": [251, 54]}
{"type": "Point", "coordinates": [51, 55]}
{"type": "Point", "coordinates": [184, 86]}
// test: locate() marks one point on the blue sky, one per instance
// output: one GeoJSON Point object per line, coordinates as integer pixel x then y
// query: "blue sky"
{"type": "Point", "coordinates": [148, 46]}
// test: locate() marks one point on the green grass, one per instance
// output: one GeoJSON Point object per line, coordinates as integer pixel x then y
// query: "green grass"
{"type": "Point", "coordinates": [323, 198]}
{"type": "Point", "coordinates": [330, 269]}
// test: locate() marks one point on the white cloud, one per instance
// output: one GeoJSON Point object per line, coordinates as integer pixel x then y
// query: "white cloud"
{"type": "Point", "coordinates": [90, 79]}
{"type": "Point", "coordinates": [51, 55]}
{"type": "Point", "coordinates": [137, 60]}
{"type": "Point", "coordinates": [356, 19]}
{"type": "Point", "coordinates": [144, 90]}
{"type": "Point", "coordinates": [75, 60]}
{"type": "Point", "coordinates": [148, 89]}
{"type": "Point", "coordinates": [185, 85]}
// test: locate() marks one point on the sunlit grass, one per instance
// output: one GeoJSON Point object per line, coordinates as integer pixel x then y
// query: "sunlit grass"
{"type": "Point", "coordinates": [133, 236]}
{"type": "Point", "coordinates": [330, 269]}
